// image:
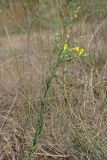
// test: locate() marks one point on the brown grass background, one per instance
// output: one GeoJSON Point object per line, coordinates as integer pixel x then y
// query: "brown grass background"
{"type": "Point", "coordinates": [76, 110]}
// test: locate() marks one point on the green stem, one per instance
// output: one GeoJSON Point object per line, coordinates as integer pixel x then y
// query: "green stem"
{"type": "Point", "coordinates": [43, 102]}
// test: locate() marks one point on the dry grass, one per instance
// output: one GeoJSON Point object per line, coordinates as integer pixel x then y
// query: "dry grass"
{"type": "Point", "coordinates": [76, 110]}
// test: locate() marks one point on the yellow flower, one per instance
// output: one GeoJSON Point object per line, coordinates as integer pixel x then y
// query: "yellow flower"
{"type": "Point", "coordinates": [76, 49]}
{"type": "Point", "coordinates": [65, 46]}
{"type": "Point", "coordinates": [82, 51]}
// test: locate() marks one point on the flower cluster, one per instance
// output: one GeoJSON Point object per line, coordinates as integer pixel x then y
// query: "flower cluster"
{"type": "Point", "coordinates": [75, 50]}
{"type": "Point", "coordinates": [78, 50]}
{"type": "Point", "coordinates": [66, 52]}
{"type": "Point", "coordinates": [69, 53]}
